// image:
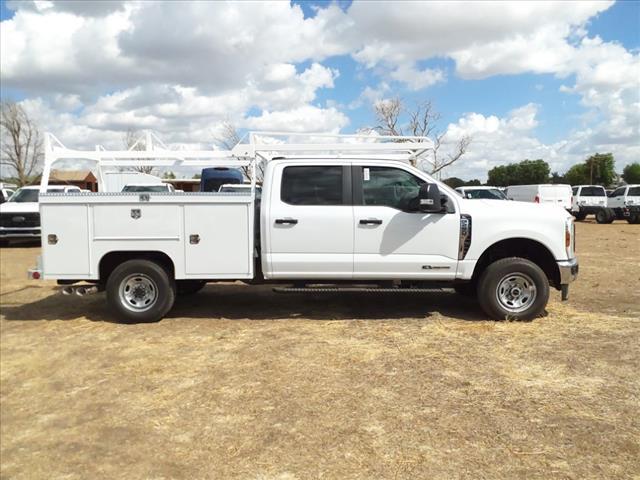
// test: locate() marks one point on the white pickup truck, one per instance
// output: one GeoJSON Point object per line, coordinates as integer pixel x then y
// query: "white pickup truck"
{"type": "Point", "coordinates": [355, 220]}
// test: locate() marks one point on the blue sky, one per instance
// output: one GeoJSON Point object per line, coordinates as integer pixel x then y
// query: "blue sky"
{"type": "Point", "coordinates": [553, 81]}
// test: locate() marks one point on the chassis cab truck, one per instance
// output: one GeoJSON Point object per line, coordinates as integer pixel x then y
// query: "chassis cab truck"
{"type": "Point", "coordinates": [360, 219]}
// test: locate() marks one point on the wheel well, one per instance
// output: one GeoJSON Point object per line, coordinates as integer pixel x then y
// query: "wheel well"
{"type": "Point", "coordinates": [523, 248]}
{"type": "Point", "coordinates": [111, 260]}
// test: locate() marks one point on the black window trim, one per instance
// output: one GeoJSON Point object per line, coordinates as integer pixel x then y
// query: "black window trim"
{"type": "Point", "coordinates": [346, 184]}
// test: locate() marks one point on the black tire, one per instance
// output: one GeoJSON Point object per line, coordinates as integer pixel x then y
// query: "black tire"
{"type": "Point", "coordinates": [604, 215]}
{"type": "Point", "coordinates": [4, 243]}
{"type": "Point", "coordinates": [468, 289]}
{"type": "Point", "coordinates": [497, 275]}
{"type": "Point", "coordinates": [580, 216]}
{"type": "Point", "coordinates": [634, 219]}
{"type": "Point", "coordinates": [189, 287]}
{"type": "Point", "coordinates": [140, 273]}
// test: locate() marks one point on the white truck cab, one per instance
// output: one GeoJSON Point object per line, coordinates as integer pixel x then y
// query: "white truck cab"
{"type": "Point", "coordinates": [20, 215]}
{"type": "Point", "coordinates": [622, 203]}
{"type": "Point", "coordinates": [587, 200]}
{"type": "Point", "coordinates": [359, 218]}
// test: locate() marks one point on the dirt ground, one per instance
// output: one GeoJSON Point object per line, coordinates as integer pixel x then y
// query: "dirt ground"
{"type": "Point", "coordinates": [239, 382]}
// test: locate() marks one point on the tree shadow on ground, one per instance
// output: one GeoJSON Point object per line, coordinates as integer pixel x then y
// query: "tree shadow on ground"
{"type": "Point", "coordinates": [241, 302]}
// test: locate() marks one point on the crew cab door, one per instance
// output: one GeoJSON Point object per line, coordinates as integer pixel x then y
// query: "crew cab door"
{"type": "Point", "coordinates": [309, 224]}
{"type": "Point", "coordinates": [391, 240]}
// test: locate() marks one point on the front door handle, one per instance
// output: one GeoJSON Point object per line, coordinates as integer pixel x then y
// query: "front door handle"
{"type": "Point", "coordinates": [286, 221]}
{"type": "Point", "coordinates": [370, 221]}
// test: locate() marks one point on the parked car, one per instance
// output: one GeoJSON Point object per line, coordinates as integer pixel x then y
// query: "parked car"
{"type": "Point", "coordinates": [622, 204]}
{"type": "Point", "coordinates": [587, 200]}
{"type": "Point", "coordinates": [547, 194]}
{"type": "Point", "coordinates": [330, 219]}
{"type": "Point", "coordinates": [148, 187]}
{"type": "Point", "coordinates": [486, 193]}
{"type": "Point", "coordinates": [20, 216]}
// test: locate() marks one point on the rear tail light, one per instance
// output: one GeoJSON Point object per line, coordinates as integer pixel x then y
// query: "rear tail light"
{"type": "Point", "coordinates": [537, 199]}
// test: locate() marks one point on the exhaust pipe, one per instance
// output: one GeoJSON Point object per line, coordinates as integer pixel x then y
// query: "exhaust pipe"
{"type": "Point", "coordinates": [83, 291]}
{"type": "Point", "coordinates": [67, 291]}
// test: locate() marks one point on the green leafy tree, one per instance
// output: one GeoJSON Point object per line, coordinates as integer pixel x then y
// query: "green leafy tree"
{"type": "Point", "coordinates": [557, 178]}
{"type": "Point", "coordinates": [631, 173]}
{"type": "Point", "coordinates": [577, 175]}
{"type": "Point", "coordinates": [454, 182]}
{"type": "Point", "coordinates": [473, 183]}
{"type": "Point", "coordinates": [601, 168]}
{"type": "Point", "coordinates": [169, 175]}
{"type": "Point", "coordinates": [524, 173]}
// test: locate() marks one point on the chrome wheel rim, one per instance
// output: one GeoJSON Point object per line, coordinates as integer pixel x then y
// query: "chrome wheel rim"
{"type": "Point", "coordinates": [516, 292]}
{"type": "Point", "coordinates": [138, 292]}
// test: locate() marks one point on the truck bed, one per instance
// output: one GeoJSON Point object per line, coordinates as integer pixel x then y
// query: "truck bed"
{"type": "Point", "coordinates": [200, 232]}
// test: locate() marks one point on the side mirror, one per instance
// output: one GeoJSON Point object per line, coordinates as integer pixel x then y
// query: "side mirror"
{"type": "Point", "coordinates": [429, 200]}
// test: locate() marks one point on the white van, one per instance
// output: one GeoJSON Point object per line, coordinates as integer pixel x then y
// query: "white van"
{"type": "Point", "coordinates": [550, 194]}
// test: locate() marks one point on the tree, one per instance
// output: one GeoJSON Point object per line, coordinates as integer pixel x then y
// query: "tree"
{"type": "Point", "coordinates": [130, 140]}
{"type": "Point", "coordinates": [229, 138]}
{"type": "Point", "coordinates": [601, 168]}
{"type": "Point", "coordinates": [454, 182]}
{"type": "Point", "coordinates": [557, 178]}
{"type": "Point", "coordinates": [21, 143]}
{"type": "Point", "coordinates": [598, 169]}
{"type": "Point", "coordinates": [577, 175]}
{"type": "Point", "coordinates": [631, 173]}
{"type": "Point", "coordinates": [169, 175]}
{"type": "Point", "coordinates": [527, 172]}
{"type": "Point", "coordinates": [422, 122]}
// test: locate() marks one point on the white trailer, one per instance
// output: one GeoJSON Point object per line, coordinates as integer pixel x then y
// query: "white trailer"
{"type": "Point", "coordinates": [336, 210]}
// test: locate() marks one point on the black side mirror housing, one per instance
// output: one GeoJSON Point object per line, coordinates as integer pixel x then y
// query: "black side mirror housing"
{"type": "Point", "coordinates": [429, 199]}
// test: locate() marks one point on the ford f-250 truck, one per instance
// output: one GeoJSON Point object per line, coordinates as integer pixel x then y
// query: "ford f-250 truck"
{"type": "Point", "coordinates": [359, 219]}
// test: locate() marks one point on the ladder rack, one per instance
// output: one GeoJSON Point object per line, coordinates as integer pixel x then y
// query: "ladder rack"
{"type": "Point", "coordinates": [261, 146]}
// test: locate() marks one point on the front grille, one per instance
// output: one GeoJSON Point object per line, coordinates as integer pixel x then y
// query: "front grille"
{"type": "Point", "coordinates": [19, 220]}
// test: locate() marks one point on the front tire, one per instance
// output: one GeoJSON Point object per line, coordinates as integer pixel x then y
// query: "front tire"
{"type": "Point", "coordinates": [140, 291]}
{"type": "Point", "coordinates": [634, 219]}
{"type": "Point", "coordinates": [513, 289]}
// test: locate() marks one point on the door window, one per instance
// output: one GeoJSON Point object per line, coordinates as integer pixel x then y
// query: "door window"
{"type": "Point", "coordinates": [592, 192]}
{"type": "Point", "coordinates": [390, 187]}
{"type": "Point", "coordinates": [619, 192]}
{"type": "Point", "coordinates": [312, 185]}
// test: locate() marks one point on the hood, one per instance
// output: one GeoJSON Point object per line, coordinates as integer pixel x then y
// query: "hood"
{"type": "Point", "coordinates": [20, 207]}
{"type": "Point", "coordinates": [512, 208]}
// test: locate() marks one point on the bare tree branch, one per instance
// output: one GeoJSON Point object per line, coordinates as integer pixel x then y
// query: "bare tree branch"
{"type": "Point", "coordinates": [229, 138]}
{"type": "Point", "coordinates": [129, 139]}
{"type": "Point", "coordinates": [422, 122]}
{"type": "Point", "coordinates": [21, 141]}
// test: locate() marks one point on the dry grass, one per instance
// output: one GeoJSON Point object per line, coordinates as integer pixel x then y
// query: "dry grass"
{"type": "Point", "coordinates": [243, 383]}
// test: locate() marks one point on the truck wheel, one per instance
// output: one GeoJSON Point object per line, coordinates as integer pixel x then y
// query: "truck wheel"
{"type": "Point", "coordinates": [604, 215]}
{"type": "Point", "coordinates": [634, 218]}
{"type": "Point", "coordinates": [513, 288]}
{"type": "Point", "coordinates": [140, 291]}
{"type": "Point", "coordinates": [189, 287]}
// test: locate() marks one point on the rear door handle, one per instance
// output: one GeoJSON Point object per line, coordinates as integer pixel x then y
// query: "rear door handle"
{"type": "Point", "coordinates": [286, 221]}
{"type": "Point", "coordinates": [370, 221]}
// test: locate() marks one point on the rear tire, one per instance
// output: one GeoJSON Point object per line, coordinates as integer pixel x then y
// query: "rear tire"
{"type": "Point", "coordinates": [140, 291]}
{"type": "Point", "coordinates": [634, 219]}
{"type": "Point", "coordinates": [604, 215]}
{"type": "Point", "coordinates": [513, 289]}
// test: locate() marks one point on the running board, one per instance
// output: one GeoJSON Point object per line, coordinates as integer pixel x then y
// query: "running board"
{"type": "Point", "coordinates": [354, 290]}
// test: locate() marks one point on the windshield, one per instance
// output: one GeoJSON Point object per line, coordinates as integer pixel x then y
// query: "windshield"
{"type": "Point", "coordinates": [145, 188]}
{"type": "Point", "coordinates": [25, 195]}
{"type": "Point", "coordinates": [592, 192]}
{"type": "Point", "coordinates": [634, 192]}
{"type": "Point", "coordinates": [491, 194]}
